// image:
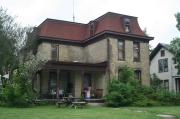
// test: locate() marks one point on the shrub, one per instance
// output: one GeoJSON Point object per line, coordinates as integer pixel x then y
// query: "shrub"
{"type": "Point", "coordinates": [18, 91]}
{"type": "Point", "coordinates": [120, 90]}
{"type": "Point", "coordinates": [119, 94]}
{"type": "Point", "coordinates": [128, 92]}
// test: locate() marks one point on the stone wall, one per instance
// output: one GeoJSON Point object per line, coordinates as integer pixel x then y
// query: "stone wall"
{"type": "Point", "coordinates": [93, 53]}
{"type": "Point", "coordinates": [44, 51]}
{"type": "Point", "coordinates": [143, 65]}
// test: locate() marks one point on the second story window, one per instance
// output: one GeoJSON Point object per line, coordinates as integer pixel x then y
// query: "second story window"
{"type": "Point", "coordinates": [163, 65]}
{"type": "Point", "coordinates": [55, 52]}
{"type": "Point", "coordinates": [162, 53]}
{"type": "Point", "coordinates": [174, 60]}
{"type": "Point", "coordinates": [121, 52]}
{"type": "Point", "coordinates": [136, 51]}
{"type": "Point", "coordinates": [127, 25]}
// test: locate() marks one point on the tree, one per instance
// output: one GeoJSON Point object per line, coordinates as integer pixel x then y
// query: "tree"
{"type": "Point", "coordinates": [11, 36]}
{"type": "Point", "coordinates": [175, 44]}
{"type": "Point", "coordinates": [178, 21]}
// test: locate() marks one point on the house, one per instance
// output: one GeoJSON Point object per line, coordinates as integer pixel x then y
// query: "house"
{"type": "Point", "coordinates": [88, 55]}
{"type": "Point", "coordinates": [163, 63]}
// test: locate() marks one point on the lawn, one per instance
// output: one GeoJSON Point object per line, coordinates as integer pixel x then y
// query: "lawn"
{"type": "Point", "coordinates": [52, 112]}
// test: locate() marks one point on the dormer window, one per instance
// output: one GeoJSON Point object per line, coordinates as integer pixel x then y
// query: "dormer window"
{"type": "Point", "coordinates": [92, 28]}
{"type": "Point", "coordinates": [127, 25]}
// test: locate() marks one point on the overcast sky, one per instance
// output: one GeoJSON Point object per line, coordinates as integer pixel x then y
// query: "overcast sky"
{"type": "Point", "coordinates": [157, 16]}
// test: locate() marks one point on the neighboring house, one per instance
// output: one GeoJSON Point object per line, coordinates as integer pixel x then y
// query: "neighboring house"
{"type": "Point", "coordinates": [163, 63]}
{"type": "Point", "coordinates": [88, 55]}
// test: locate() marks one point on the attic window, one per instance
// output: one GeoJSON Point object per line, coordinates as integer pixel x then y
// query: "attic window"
{"type": "Point", "coordinates": [162, 53]}
{"type": "Point", "coordinates": [127, 25]}
{"type": "Point", "coordinates": [92, 28]}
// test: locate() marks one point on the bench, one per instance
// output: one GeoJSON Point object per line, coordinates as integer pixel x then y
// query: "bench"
{"type": "Point", "coordinates": [78, 104]}
{"type": "Point", "coordinates": [60, 103]}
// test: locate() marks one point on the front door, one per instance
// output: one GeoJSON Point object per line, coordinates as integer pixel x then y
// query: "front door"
{"type": "Point", "coordinates": [177, 84]}
{"type": "Point", "coordinates": [52, 82]}
{"type": "Point", "coordinates": [87, 80]}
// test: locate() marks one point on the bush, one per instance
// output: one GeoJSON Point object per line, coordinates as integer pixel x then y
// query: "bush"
{"type": "Point", "coordinates": [18, 91]}
{"type": "Point", "coordinates": [128, 92]}
{"type": "Point", "coordinates": [119, 94]}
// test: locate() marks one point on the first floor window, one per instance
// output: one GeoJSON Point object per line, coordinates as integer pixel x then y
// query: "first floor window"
{"type": "Point", "coordinates": [163, 65]}
{"type": "Point", "coordinates": [137, 74]}
{"type": "Point", "coordinates": [165, 84]}
{"type": "Point", "coordinates": [52, 81]}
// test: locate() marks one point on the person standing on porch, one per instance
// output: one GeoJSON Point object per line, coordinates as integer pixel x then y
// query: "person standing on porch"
{"type": "Point", "coordinates": [88, 93]}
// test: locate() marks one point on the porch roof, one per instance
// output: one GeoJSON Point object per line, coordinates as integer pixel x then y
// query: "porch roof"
{"type": "Point", "coordinates": [62, 65]}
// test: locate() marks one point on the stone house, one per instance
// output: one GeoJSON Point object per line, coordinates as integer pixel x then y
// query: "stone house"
{"type": "Point", "coordinates": [89, 55]}
{"type": "Point", "coordinates": [163, 63]}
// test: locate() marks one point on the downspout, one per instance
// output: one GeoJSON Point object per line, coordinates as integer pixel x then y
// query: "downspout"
{"type": "Point", "coordinates": [108, 58]}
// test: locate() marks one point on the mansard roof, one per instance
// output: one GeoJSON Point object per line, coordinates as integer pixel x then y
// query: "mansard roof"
{"type": "Point", "coordinates": [79, 32]}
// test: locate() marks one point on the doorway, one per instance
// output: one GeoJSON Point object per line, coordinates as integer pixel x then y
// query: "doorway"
{"type": "Point", "coordinates": [177, 84]}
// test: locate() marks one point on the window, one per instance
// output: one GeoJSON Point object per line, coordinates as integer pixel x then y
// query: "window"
{"type": "Point", "coordinates": [55, 52]}
{"type": "Point", "coordinates": [52, 81]}
{"type": "Point", "coordinates": [127, 25]}
{"type": "Point", "coordinates": [163, 65]}
{"type": "Point", "coordinates": [162, 53]}
{"type": "Point", "coordinates": [174, 60]}
{"type": "Point", "coordinates": [121, 51]}
{"type": "Point", "coordinates": [119, 74]}
{"type": "Point", "coordinates": [92, 26]}
{"type": "Point", "coordinates": [136, 51]}
{"type": "Point", "coordinates": [137, 74]}
{"type": "Point", "coordinates": [165, 84]}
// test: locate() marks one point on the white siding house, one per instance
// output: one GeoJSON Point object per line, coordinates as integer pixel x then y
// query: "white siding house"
{"type": "Point", "coordinates": [162, 63]}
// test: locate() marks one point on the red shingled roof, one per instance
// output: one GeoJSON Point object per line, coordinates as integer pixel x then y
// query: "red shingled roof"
{"type": "Point", "coordinates": [59, 29]}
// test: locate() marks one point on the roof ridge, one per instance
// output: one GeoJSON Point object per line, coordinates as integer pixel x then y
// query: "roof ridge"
{"type": "Point", "coordinates": [64, 21]}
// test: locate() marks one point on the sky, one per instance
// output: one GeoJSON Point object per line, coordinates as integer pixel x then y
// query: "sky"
{"type": "Point", "coordinates": [157, 16]}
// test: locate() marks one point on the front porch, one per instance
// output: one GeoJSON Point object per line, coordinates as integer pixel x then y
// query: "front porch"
{"type": "Point", "coordinates": [59, 79]}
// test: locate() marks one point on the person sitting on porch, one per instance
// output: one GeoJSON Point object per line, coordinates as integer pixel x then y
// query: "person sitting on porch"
{"type": "Point", "coordinates": [53, 93]}
{"type": "Point", "coordinates": [61, 93]}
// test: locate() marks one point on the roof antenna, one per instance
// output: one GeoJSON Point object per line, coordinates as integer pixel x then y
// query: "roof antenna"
{"type": "Point", "coordinates": [73, 12]}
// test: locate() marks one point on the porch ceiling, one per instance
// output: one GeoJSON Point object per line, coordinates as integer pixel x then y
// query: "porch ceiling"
{"type": "Point", "coordinates": [61, 65]}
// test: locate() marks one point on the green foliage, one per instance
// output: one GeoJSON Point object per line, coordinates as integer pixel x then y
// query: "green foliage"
{"type": "Point", "coordinates": [126, 75]}
{"type": "Point", "coordinates": [175, 48]}
{"type": "Point", "coordinates": [120, 90]}
{"type": "Point", "coordinates": [18, 91]}
{"type": "Point", "coordinates": [11, 37]}
{"type": "Point", "coordinates": [155, 82]}
{"type": "Point", "coordinates": [119, 94]}
{"type": "Point", "coordinates": [131, 93]}
{"type": "Point", "coordinates": [178, 21]}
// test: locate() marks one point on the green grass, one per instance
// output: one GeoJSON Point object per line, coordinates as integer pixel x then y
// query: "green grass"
{"type": "Point", "coordinates": [52, 112]}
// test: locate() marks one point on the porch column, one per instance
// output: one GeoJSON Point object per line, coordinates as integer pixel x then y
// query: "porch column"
{"type": "Point", "coordinates": [78, 83]}
{"type": "Point", "coordinates": [57, 90]}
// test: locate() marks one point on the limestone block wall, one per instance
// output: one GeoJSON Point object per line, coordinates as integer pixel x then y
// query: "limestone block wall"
{"type": "Point", "coordinates": [96, 52]}
{"type": "Point", "coordinates": [44, 51]}
{"type": "Point", "coordinates": [99, 81]}
{"type": "Point", "coordinates": [93, 53]}
{"type": "Point", "coordinates": [143, 65]}
{"type": "Point", "coordinates": [71, 53]}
